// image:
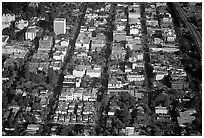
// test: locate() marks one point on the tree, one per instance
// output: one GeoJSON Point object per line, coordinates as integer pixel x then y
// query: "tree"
{"type": "Point", "coordinates": [163, 99]}
{"type": "Point", "coordinates": [36, 106]}
{"type": "Point", "coordinates": [10, 32]}
{"type": "Point", "coordinates": [85, 80]}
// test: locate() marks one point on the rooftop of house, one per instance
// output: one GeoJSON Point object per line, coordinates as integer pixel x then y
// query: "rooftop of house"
{"type": "Point", "coordinates": [60, 19]}
{"type": "Point", "coordinates": [83, 67]}
{"type": "Point", "coordinates": [46, 38]}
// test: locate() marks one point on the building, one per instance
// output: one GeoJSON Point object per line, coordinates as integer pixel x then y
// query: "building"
{"type": "Point", "coordinates": [118, 52]}
{"type": "Point", "coordinates": [78, 94]}
{"type": "Point", "coordinates": [7, 18]}
{"type": "Point", "coordinates": [87, 96]}
{"type": "Point", "coordinates": [13, 50]}
{"type": "Point", "coordinates": [33, 127]}
{"type": "Point", "coordinates": [96, 45]}
{"type": "Point", "coordinates": [30, 34]}
{"type": "Point", "coordinates": [69, 81]}
{"type": "Point", "coordinates": [46, 43]}
{"type": "Point", "coordinates": [5, 38]}
{"type": "Point", "coordinates": [179, 85]}
{"type": "Point", "coordinates": [114, 84]}
{"type": "Point", "coordinates": [21, 24]}
{"type": "Point", "coordinates": [59, 26]}
{"type": "Point", "coordinates": [93, 73]}
{"type": "Point", "coordinates": [117, 91]}
{"type": "Point", "coordinates": [135, 77]}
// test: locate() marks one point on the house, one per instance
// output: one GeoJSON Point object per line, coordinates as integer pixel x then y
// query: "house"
{"type": "Point", "coordinates": [118, 52]}
{"type": "Point", "coordinates": [160, 75]}
{"type": "Point", "coordinates": [87, 110]}
{"type": "Point", "coordinates": [130, 131]}
{"type": "Point", "coordinates": [59, 56]}
{"type": "Point", "coordinates": [7, 18]}
{"type": "Point", "coordinates": [33, 127]}
{"type": "Point", "coordinates": [87, 96]}
{"type": "Point", "coordinates": [5, 38]}
{"type": "Point", "coordinates": [137, 65]}
{"type": "Point", "coordinates": [66, 95]}
{"type": "Point", "coordinates": [180, 84]}
{"type": "Point", "coordinates": [69, 81]}
{"type": "Point", "coordinates": [64, 43]}
{"type": "Point", "coordinates": [78, 94]}
{"type": "Point", "coordinates": [21, 24]}
{"type": "Point", "coordinates": [136, 56]}
{"type": "Point", "coordinates": [97, 45]}
{"type": "Point", "coordinates": [161, 110]}
{"type": "Point", "coordinates": [135, 77]}
{"type": "Point", "coordinates": [152, 22]}
{"type": "Point", "coordinates": [116, 91]}
{"type": "Point", "coordinates": [15, 107]}
{"type": "Point", "coordinates": [134, 17]}
{"type": "Point", "coordinates": [45, 43]}
{"type": "Point", "coordinates": [93, 73]}
{"type": "Point", "coordinates": [134, 31]}
{"type": "Point", "coordinates": [79, 73]}
{"type": "Point", "coordinates": [119, 36]}
{"type": "Point", "coordinates": [31, 33]}
{"type": "Point", "coordinates": [12, 50]}
{"type": "Point", "coordinates": [111, 112]}
{"type": "Point", "coordinates": [113, 83]}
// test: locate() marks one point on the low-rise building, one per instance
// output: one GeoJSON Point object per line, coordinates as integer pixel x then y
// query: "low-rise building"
{"type": "Point", "coordinates": [46, 43]}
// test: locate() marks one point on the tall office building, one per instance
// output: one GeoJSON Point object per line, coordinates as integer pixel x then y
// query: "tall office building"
{"type": "Point", "coordinates": [60, 26]}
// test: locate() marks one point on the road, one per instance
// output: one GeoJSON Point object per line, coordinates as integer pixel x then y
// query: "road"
{"type": "Point", "coordinates": [196, 34]}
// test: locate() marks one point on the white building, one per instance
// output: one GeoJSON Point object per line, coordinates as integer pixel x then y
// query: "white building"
{"type": "Point", "coordinates": [79, 73]}
{"type": "Point", "coordinates": [21, 24]}
{"type": "Point", "coordinates": [59, 26]}
{"type": "Point", "coordinates": [93, 73]}
{"type": "Point", "coordinates": [7, 18]}
{"type": "Point", "coordinates": [161, 110]}
{"type": "Point", "coordinates": [78, 95]}
{"type": "Point", "coordinates": [133, 77]}
{"type": "Point", "coordinates": [4, 39]}
{"type": "Point", "coordinates": [30, 33]}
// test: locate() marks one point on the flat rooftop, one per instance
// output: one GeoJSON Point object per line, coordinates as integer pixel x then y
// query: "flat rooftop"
{"type": "Point", "coordinates": [60, 19]}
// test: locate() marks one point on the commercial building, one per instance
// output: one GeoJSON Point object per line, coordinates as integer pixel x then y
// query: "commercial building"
{"type": "Point", "coordinates": [60, 26]}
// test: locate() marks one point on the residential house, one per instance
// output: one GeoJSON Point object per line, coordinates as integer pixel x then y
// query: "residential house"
{"type": "Point", "coordinates": [117, 52]}
{"type": "Point", "coordinates": [31, 33]}
{"type": "Point", "coordinates": [119, 36]}
{"type": "Point", "coordinates": [134, 15]}
{"type": "Point", "coordinates": [69, 81]}
{"type": "Point", "coordinates": [64, 43]}
{"type": "Point", "coordinates": [93, 73]}
{"type": "Point", "coordinates": [113, 83]}
{"type": "Point", "coordinates": [21, 24]}
{"type": "Point", "coordinates": [97, 45]}
{"type": "Point", "coordinates": [116, 91]}
{"type": "Point", "coordinates": [135, 77]}
{"type": "Point", "coordinates": [136, 65]}
{"type": "Point", "coordinates": [180, 85]}
{"type": "Point", "coordinates": [7, 18]}
{"type": "Point", "coordinates": [162, 114]}
{"type": "Point", "coordinates": [33, 127]}
{"type": "Point", "coordinates": [80, 70]}
{"type": "Point", "coordinates": [45, 43]}
{"type": "Point", "coordinates": [58, 56]}
{"type": "Point", "coordinates": [78, 94]}
{"type": "Point", "coordinates": [87, 96]}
